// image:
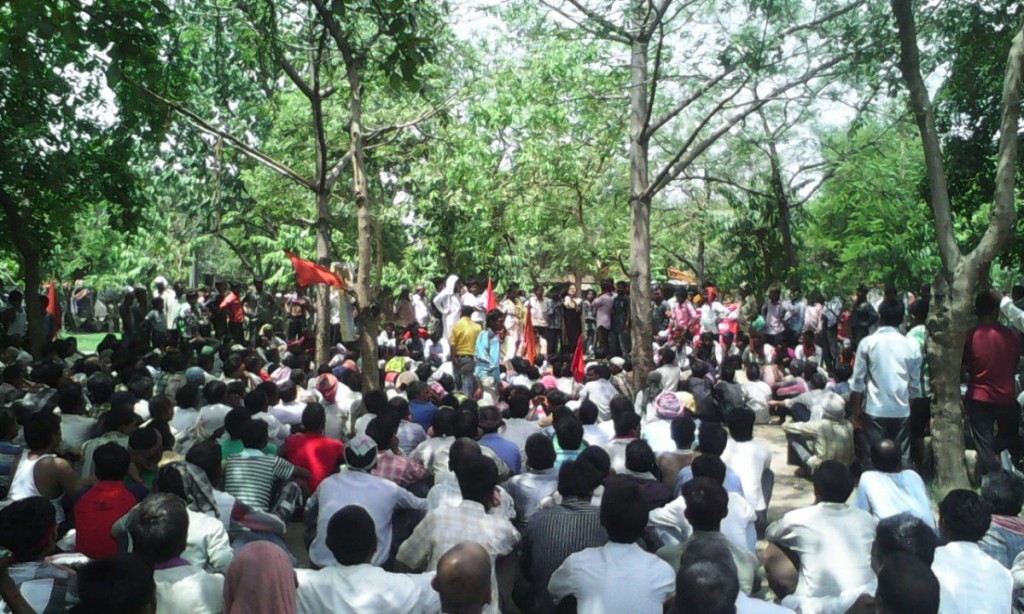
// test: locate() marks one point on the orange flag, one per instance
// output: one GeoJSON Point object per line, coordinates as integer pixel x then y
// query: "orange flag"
{"type": "Point", "coordinates": [579, 366]}
{"type": "Point", "coordinates": [492, 301]}
{"type": "Point", "coordinates": [529, 338]}
{"type": "Point", "coordinates": [309, 273]}
{"type": "Point", "coordinates": [53, 307]}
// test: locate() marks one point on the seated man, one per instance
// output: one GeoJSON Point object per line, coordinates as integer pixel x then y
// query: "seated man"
{"type": "Point", "coordinates": [28, 528]}
{"type": "Point", "coordinates": [159, 532]}
{"type": "Point", "coordinates": [40, 472]}
{"type": "Point", "coordinates": [830, 541]}
{"type": "Point", "coordinates": [816, 441]}
{"type": "Point", "coordinates": [252, 476]}
{"type": "Point", "coordinates": [351, 583]}
{"type": "Point", "coordinates": [101, 506]}
{"type": "Point", "coordinates": [907, 586]}
{"type": "Point", "coordinates": [539, 480]}
{"type": "Point", "coordinates": [707, 504]}
{"type": "Point", "coordinates": [122, 583]}
{"type": "Point", "coordinates": [971, 580]}
{"type": "Point", "coordinates": [447, 526]}
{"type": "Point", "coordinates": [446, 491]}
{"type": "Point", "coordinates": [462, 579]}
{"type": "Point", "coordinates": [391, 463]}
{"type": "Point", "coordinates": [619, 576]}
{"type": "Point", "coordinates": [641, 466]}
{"type": "Point", "coordinates": [713, 440]}
{"type": "Point", "coordinates": [1004, 494]}
{"type": "Point", "coordinates": [356, 487]}
{"type": "Point", "coordinates": [751, 460]}
{"type": "Point", "coordinates": [886, 491]}
{"type": "Point", "coordinates": [706, 586]}
{"type": "Point", "coordinates": [684, 434]}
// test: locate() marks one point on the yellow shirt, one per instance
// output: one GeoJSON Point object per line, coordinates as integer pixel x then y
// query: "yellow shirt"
{"type": "Point", "coordinates": [463, 339]}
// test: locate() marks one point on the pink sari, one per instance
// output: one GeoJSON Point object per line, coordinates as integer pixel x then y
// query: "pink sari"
{"type": "Point", "coordinates": [260, 580]}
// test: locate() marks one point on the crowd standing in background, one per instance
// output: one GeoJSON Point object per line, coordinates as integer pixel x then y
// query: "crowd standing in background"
{"type": "Point", "coordinates": [506, 460]}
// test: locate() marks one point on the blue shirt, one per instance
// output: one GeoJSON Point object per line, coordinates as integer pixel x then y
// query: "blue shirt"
{"type": "Point", "coordinates": [732, 481]}
{"type": "Point", "coordinates": [422, 413]}
{"type": "Point", "coordinates": [487, 355]}
{"type": "Point", "coordinates": [505, 449]}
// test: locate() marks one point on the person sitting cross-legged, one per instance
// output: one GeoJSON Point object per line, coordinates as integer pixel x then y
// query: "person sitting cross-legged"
{"type": "Point", "coordinates": [159, 531]}
{"type": "Point", "coordinates": [352, 583]}
{"type": "Point", "coordinates": [828, 542]}
{"type": "Point", "coordinates": [462, 579]}
{"type": "Point", "coordinates": [28, 529]}
{"type": "Point", "coordinates": [253, 477]}
{"type": "Point", "coordinates": [101, 506]}
{"type": "Point", "coordinates": [619, 576]}
{"type": "Point", "coordinates": [1004, 494]}
{"type": "Point", "coordinates": [539, 480]}
{"type": "Point", "coordinates": [886, 491]}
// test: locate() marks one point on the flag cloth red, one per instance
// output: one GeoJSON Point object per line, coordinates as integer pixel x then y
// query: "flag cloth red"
{"type": "Point", "coordinates": [308, 273]}
{"type": "Point", "coordinates": [53, 307]}
{"type": "Point", "coordinates": [492, 301]}
{"type": "Point", "coordinates": [579, 365]}
{"type": "Point", "coordinates": [529, 339]}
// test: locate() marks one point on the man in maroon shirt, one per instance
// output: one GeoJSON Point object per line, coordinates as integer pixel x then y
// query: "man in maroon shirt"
{"type": "Point", "coordinates": [101, 506]}
{"type": "Point", "coordinates": [991, 354]}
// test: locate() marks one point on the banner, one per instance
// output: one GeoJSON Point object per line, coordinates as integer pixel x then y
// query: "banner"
{"type": "Point", "coordinates": [308, 273]}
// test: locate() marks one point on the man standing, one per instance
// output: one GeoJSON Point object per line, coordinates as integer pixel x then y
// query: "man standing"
{"type": "Point", "coordinates": [448, 305]}
{"type": "Point", "coordinates": [487, 352]}
{"type": "Point", "coordinates": [463, 344]}
{"type": "Point", "coordinates": [232, 307]}
{"type": "Point", "coordinates": [540, 306]}
{"type": "Point", "coordinates": [888, 369]}
{"type": "Point", "coordinates": [661, 312]}
{"type": "Point", "coordinates": [473, 298]}
{"type": "Point", "coordinates": [602, 307]}
{"type": "Point", "coordinates": [864, 316]}
{"type": "Point", "coordinates": [775, 317]}
{"type": "Point", "coordinates": [991, 354]}
{"type": "Point", "coordinates": [748, 308]}
{"type": "Point", "coordinates": [420, 308]}
{"type": "Point", "coordinates": [621, 343]}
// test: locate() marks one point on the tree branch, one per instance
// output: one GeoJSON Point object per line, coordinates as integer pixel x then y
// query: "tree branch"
{"type": "Point", "coordinates": [611, 31]}
{"type": "Point", "coordinates": [697, 95]}
{"type": "Point", "coordinates": [910, 66]}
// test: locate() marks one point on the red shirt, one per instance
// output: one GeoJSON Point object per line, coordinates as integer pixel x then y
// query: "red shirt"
{"type": "Point", "coordinates": [96, 512]}
{"type": "Point", "coordinates": [318, 453]}
{"type": "Point", "coordinates": [990, 358]}
{"type": "Point", "coordinates": [233, 307]}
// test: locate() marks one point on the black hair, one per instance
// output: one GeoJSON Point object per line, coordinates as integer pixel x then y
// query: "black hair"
{"type": "Point", "coordinates": [375, 401]}
{"type": "Point", "coordinates": [843, 372]}
{"type": "Point", "coordinates": [382, 429]}
{"type": "Point", "coordinates": [598, 458]}
{"type": "Point", "coordinates": [289, 391]}
{"type": "Point", "coordinates": [398, 407]}
{"type": "Point", "coordinates": [518, 403]}
{"type": "Point", "coordinates": [741, 423]}
{"type": "Point", "coordinates": [713, 438]}
{"type": "Point", "coordinates": [466, 311]}
{"type": "Point", "coordinates": [123, 401]}
{"type": "Point", "coordinates": [667, 355]}
{"type": "Point", "coordinates": [255, 434]}
{"type": "Point", "coordinates": [698, 369]}
{"type": "Point", "coordinates": [160, 528]}
{"type": "Point", "coordinates": [985, 304]}
{"type": "Point", "coordinates": [443, 423]}
{"type": "Point", "coordinates": [1004, 492]}
{"type": "Point", "coordinates": [904, 533]}
{"type": "Point", "coordinates": [886, 455]}
{"type": "Point", "coordinates": [187, 396]}
{"type": "Point", "coordinates": [40, 430]}
{"type": "Point", "coordinates": [467, 421]}
{"type": "Point", "coordinates": [569, 432]}
{"type": "Point", "coordinates": [207, 456]}
{"type": "Point", "coordinates": [684, 431]}
{"type": "Point", "coordinates": [706, 587]}
{"type": "Point", "coordinates": [141, 387]}
{"type": "Point", "coordinates": [578, 479]}
{"type": "Point", "coordinates": [707, 503]}
{"type": "Point", "coordinates": [890, 312]}
{"type": "Point", "coordinates": [256, 401]}
{"type": "Point", "coordinates": [639, 456]}
{"type": "Point", "coordinates": [587, 412]}
{"type": "Point", "coordinates": [314, 418]}
{"type": "Point", "coordinates": [214, 392]}
{"type": "Point", "coordinates": [111, 461]}
{"type": "Point", "coordinates": [964, 516]}
{"type": "Point", "coordinates": [620, 404]}
{"type": "Point", "coordinates": [709, 466]}
{"type": "Point", "coordinates": [70, 399]}
{"type": "Point", "coordinates": [477, 475]}
{"type": "Point", "coordinates": [270, 389]}
{"type": "Point", "coordinates": [907, 585]}
{"type": "Point", "coordinates": [833, 482]}
{"type": "Point", "coordinates": [623, 511]}
{"type": "Point", "coordinates": [121, 583]}
{"type": "Point", "coordinates": [626, 423]}
{"type": "Point", "coordinates": [24, 527]}
{"type": "Point", "coordinates": [462, 448]}
{"type": "Point", "coordinates": [351, 535]}
{"type": "Point", "coordinates": [540, 452]}
{"type": "Point", "coordinates": [143, 439]}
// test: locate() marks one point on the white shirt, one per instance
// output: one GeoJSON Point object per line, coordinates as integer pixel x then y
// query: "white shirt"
{"type": "Point", "coordinates": [749, 605]}
{"type": "Point", "coordinates": [738, 526]}
{"type": "Point", "coordinates": [364, 589]}
{"type": "Point", "coordinates": [756, 395]}
{"type": "Point", "coordinates": [419, 306]}
{"type": "Point", "coordinates": [833, 542]}
{"type": "Point", "coordinates": [433, 454]}
{"type": "Point", "coordinates": [711, 314]}
{"type": "Point", "coordinates": [669, 377]}
{"type": "Point", "coordinates": [289, 413]}
{"type": "Point", "coordinates": [816, 401]}
{"type": "Point", "coordinates": [616, 449]}
{"type": "Point", "coordinates": [446, 492]}
{"type": "Point", "coordinates": [971, 581]}
{"type": "Point", "coordinates": [888, 367]}
{"type": "Point", "coordinates": [749, 460]}
{"type": "Point", "coordinates": [529, 489]}
{"type": "Point", "coordinates": [600, 392]}
{"type": "Point", "coordinates": [75, 430]}
{"type": "Point", "coordinates": [479, 305]}
{"type": "Point", "coordinates": [614, 578]}
{"type": "Point", "coordinates": [276, 432]}
{"type": "Point", "coordinates": [887, 494]}
{"type": "Point", "coordinates": [659, 435]}
{"type": "Point", "coordinates": [188, 590]}
{"type": "Point", "coordinates": [518, 430]}
{"type": "Point", "coordinates": [207, 546]}
{"type": "Point", "coordinates": [184, 418]}
{"type": "Point", "coordinates": [379, 497]}
{"type": "Point", "coordinates": [595, 435]}
{"type": "Point", "coordinates": [538, 310]}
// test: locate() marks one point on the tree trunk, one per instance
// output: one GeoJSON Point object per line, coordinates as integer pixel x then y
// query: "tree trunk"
{"type": "Point", "coordinates": [948, 318]}
{"type": "Point", "coordinates": [640, 215]}
{"type": "Point", "coordinates": [323, 292]}
{"type": "Point", "coordinates": [369, 316]}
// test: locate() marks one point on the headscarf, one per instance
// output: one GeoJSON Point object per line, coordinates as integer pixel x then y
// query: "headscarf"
{"type": "Point", "coordinates": [198, 490]}
{"type": "Point", "coordinates": [260, 580]}
{"type": "Point", "coordinates": [327, 385]}
{"type": "Point", "coordinates": [281, 375]}
{"type": "Point", "coordinates": [668, 406]}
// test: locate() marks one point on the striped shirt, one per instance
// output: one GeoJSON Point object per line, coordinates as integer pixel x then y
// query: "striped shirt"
{"type": "Point", "coordinates": [553, 534]}
{"type": "Point", "coordinates": [250, 476]}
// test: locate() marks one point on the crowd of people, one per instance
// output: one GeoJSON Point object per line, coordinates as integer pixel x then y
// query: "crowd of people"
{"type": "Point", "coordinates": [203, 461]}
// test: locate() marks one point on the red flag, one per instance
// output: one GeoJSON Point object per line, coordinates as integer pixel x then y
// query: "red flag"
{"type": "Point", "coordinates": [492, 301]}
{"type": "Point", "coordinates": [529, 338]}
{"type": "Point", "coordinates": [579, 366]}
{"type": "Point", "coordinates": [309, 273]}
{"type": "Point", "coordinates": [53, 307]}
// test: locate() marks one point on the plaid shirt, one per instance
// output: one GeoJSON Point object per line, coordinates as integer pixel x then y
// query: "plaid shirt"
{"type": "Point", "coordinates": [399, 469]}
{"type": "Point", "coordinates": [46, 587]}
{"type": "Point", "coordinates": [447, 526]}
